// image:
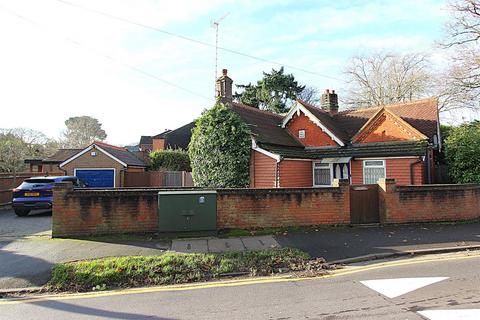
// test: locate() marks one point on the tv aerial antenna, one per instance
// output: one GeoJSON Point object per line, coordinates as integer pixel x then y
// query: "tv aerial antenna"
{"type": "Point", "coordinates": [216, 24]}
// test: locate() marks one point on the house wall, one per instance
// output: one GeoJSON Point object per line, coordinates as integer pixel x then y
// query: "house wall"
{"type": "Point", "coordinates": [262, 170]}
{"type": "Point", "coordinates": [386, 128]}
{"type": "Point", "coordinates": [314, 136]}
{"type": "Point", "coordinates": [101, 160]}
{"type": "Point", "coordinates": [158, 144]}
{"type": "Point", "coordinates": [398, 169]}
{"type": "Point", "coordinates": [296, 174]}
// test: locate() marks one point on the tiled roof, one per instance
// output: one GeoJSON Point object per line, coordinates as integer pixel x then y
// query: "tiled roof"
{"type": "Point", "coordinates": [327, 120]}
{"type": "Point", "coordinates": [420, 114]}
{"type": "Point", "coordinates": [265, 126]}
{"type": "Point", "coordinates": [161, 135]}
{"type": "Point", "coordinates": [146, 140]}
{"type": "Point", "coordinates": [121, 154]}
{"type": "Point", "coordinates": [61, 155]}
{"type": "Point", "coordinates": [180, 137]}
{"type": "Point", "coordinates": [392, 149]}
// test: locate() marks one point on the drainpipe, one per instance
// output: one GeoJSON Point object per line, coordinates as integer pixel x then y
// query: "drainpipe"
{"type": "Point", "coordinates": [122, 177]}
{"type": "Point", "coordinates": [429, 169]}
{"type": "Point", "coordinates": [412, 178]}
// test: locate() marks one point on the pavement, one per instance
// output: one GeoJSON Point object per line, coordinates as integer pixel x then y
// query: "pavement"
{"type": "Point", "coordinates": [433, 288]}
{"type": "Point", "coordinates": [27, 252]}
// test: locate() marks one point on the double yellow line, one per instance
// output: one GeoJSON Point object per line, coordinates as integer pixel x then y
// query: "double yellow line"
{"type": "Point", "coordinates": [242, 282]}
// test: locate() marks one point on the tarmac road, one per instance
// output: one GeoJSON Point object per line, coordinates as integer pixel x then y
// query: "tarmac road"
{"type": "Point", "coordinates": [429, 287]}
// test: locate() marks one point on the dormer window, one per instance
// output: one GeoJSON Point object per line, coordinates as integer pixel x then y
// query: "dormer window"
{"type": "Point", "coordinates": [301, 134]}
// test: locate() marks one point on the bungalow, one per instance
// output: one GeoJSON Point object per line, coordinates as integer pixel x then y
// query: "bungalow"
{"type": "Point", "coordinates": [100, 165]}
{"type": "Point", "coordinates": [310, 146]}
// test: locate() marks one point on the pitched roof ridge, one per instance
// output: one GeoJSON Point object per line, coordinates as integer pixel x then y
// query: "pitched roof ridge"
{"type": "Point", "coordinates": [244, 106]}
{"type": "Point", "coordinates": [101, 143]}
{"type": "Point", "coordinates": [388, 106]}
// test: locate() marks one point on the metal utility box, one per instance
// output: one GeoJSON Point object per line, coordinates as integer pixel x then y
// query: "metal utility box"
{"type": "Point", "coordinates": [183, 211]}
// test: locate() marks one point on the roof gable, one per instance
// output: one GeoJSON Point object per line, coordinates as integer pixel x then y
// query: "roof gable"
{"type": "Point", "coordinates": [317, 116]}
{"type": "Point", "coordinates": [384, 126]}
{"type": "Point", "coordinates": [265, 126]}
{"type": "Point", "coordinates": [421, 115]}
{"type": "Point", "coordinates": [119, 154]}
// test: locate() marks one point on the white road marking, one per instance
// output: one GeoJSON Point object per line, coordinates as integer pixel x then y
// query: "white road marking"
{"type": "Point", "coordinates": [392, 288]}
{"type": "Point", "coordinates": [463, 314]}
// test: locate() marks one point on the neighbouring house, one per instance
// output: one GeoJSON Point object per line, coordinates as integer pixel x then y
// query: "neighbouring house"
{"type": "Point", "coordinates": [100, 165]}
{"type": "Point", "coordinates": [169, 139]}
{"type": "Point", "coordinates": [310, 146]}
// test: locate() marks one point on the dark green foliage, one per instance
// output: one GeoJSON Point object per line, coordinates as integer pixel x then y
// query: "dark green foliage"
{"type": "Point", "coordinates": [274, 92]}
{"type": "Point", "coordinates": [462, 150]}
{"type": "Point", "coordinates": [174, 160]}
{"type": "Point", "coordinates": [172, 268]}
{"type": "Point", "coordinates": [220, 149]}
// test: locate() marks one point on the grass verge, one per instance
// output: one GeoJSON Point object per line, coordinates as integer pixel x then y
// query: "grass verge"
{"type": "Point", "coordinates": [175, 268]}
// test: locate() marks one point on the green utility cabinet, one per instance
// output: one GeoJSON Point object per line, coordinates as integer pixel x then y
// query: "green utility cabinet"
{"type": "Point", "coordinates": [183, 211]}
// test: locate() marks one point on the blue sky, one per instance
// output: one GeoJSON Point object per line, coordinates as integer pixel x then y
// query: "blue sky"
{"type": "Point", "coordinates": [46, 78]}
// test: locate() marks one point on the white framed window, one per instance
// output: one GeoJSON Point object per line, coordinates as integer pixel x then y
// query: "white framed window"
{"type": "Point", "coordinates": [322, 174]}
{"type": "Point", "coordinates": [373, 170]}
{"type": "Point", "coordinates": [301, 134]}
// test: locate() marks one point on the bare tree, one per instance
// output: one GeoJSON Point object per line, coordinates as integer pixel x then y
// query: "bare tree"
{"type": "Point", "coordinates": [460, 84]}
{"type": "Point", "coordinates": [310, 95]}
{"type": "Point", "coordinates": [20, 143]}
{"type": "Point", "coordinates": [385, 78]}
{"type": "Point", "coordinates": [464, 25]}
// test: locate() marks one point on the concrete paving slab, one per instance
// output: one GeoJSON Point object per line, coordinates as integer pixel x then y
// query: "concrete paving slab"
{"type": "Point", "coordinates": [190, 245]}
{"type": "Point", "coordinates": [225, 245]}
{"type": "Point", "coordinates": [260, 243]}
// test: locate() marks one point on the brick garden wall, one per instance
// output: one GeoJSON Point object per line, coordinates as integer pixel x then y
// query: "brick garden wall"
{"type": "Point", "coordinates": [257, 208]}
{"type": "Point", "coordinates": [425, 203]}
{"type": "Point", "coordinates": [88, 212]}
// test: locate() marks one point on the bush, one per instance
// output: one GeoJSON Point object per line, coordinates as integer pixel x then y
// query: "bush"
{"type": "Point", "coordinates": [220, 149]}
{"type": "Point", "coordinates": [462, 150]}
{"type": "Point", "coordinates": [174, 160]}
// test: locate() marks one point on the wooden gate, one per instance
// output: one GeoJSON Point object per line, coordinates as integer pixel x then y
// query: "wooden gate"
{"type": "Point", "coordinates": [364, 204]}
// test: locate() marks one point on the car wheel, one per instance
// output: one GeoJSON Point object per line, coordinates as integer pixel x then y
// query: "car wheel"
{"type": "Point", "coordinates": [21, 212]}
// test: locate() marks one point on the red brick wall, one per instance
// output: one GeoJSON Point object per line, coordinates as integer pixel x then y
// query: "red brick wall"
{"type": "Point", "coordinates": [401, 204]}
{"type": "Point", "coordinates": [262, 170]}
{"type": "Point", "coordinates": [259, 208]}
{"type": "Point", "coordinates": [398, 169]}
{"type": "Point", "coordinates": [314, 136]}
{"type": "Point", "coordinates": [296, 174]}
{"type": "Point", "coordinates": [90, 212]}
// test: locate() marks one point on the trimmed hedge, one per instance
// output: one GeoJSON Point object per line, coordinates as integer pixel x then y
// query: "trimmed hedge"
{"type": "Point", "coordinates": [174, 160]}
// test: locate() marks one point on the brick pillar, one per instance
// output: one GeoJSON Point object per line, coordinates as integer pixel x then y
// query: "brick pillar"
{"type": "Point", "coordinates": [386, 199]}
{"type": "Point", "coordinates": [60, 191]}
{"type": "Point", "coordinates": [344, 185]}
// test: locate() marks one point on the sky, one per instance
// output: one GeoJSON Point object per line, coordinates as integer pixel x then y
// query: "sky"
{"type": "Point", "coordinates": [64, 58]}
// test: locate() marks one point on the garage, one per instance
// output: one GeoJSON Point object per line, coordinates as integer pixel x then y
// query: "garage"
{"type": "Point", "coordinates": [101, 165]}
{"type": "Point", "coordinates": [96, 178]}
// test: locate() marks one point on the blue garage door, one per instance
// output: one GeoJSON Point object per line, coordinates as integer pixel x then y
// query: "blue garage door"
{"type": "Point", "coordinates": [96, 178]}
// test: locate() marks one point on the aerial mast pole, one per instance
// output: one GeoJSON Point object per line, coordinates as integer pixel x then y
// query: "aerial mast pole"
{"type": "Point", "coordinates": [216, 24]}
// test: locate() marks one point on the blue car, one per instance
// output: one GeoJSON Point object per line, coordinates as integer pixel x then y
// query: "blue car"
{"type": "Point", "coordinates": [37, 193]}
